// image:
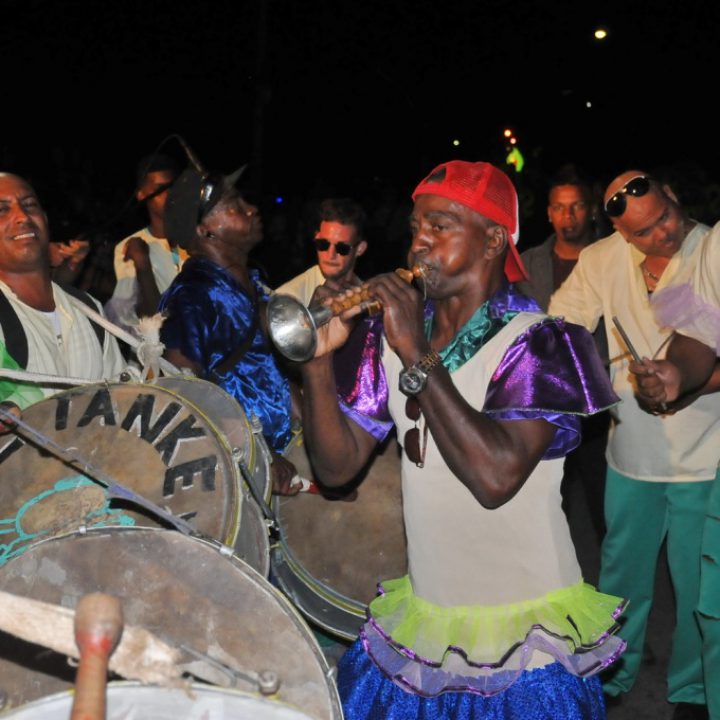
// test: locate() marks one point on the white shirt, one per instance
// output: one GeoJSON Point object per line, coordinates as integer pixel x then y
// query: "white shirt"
{"type": "Point", "coordinates": [460, 553]}
{"type": "Point", "coordinates": [74, 352]}
{"type": "Point", "coordinates": [165, 266]}
{"type": "Point", "coordinates": [607, 281]}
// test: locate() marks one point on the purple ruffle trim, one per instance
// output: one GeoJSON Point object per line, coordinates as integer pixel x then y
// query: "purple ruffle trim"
{"type": "Point", "coordinates": [553, 366]}
{"type": "Point", "coordinates": [424, 677]}
{"type": "Point", "coordinates": [680, 307]}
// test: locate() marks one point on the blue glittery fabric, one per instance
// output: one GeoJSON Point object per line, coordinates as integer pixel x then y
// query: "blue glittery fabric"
{"type": "Point", "coordinates": [209, 315]}
{"type": "Point", "coordinates": [548, 693]}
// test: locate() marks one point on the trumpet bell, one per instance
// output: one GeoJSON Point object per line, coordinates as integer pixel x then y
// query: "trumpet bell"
{"type": "Point", "coordinates": [293, 327]}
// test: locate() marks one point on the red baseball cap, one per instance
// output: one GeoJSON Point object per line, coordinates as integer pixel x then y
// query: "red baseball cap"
{"type": "Point", "coordinates": [489, 192]}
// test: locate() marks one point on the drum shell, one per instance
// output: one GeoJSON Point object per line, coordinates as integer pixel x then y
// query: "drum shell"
{"type": "Point", "coordinates": [186, 591]}
{"type": "Point", "coordinates": [132, 700]}
{"type": "Point", "coordinates": [248, 449]}
{"type": "Point", "coordinates": [150, 439]}
{"type": "Point", "coordinates": [332, 553]}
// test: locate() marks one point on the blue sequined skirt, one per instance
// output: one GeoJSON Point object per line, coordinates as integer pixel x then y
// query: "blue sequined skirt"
{"type": "Point", "coordinates": [547, 693]}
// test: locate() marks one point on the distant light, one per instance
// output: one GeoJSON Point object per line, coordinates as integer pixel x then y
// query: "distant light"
{"type": "Point", "coordinates": [601, 33]}
{"type": "Point", "coordinates": [508, 133]}
{"type": "Point", "coordinates": [456, 143]}
{"type": "Point", "coordinates": [516, 159]}
{"type": "Point", "coordinates": [588, 104]}
{"type": "Point", "coordinates": [279, 200]}
{"type": "Point", "coordinates": [513, 141]}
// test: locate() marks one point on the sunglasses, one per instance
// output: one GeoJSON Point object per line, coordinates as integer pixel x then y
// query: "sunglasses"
{"type": "Point", "coordinates": [341, 248]}
{"type": "Point", "coordinates": [414, 449]}
{"type": "Point", "coordinates": [637, 187]}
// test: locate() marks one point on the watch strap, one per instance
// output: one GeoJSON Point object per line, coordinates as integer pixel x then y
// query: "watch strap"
{"type": "Point", "coordinates": [429, 361]}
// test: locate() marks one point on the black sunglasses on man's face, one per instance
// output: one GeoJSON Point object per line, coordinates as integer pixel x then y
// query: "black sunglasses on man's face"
{"type": "Point", "coordinates": [341, 248]}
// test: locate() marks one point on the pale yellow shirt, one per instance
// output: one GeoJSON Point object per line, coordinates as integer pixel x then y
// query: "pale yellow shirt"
{"type": "Point", "coordinates": [607, 281]}
{"type": "Point", "coordinates": [303, 286]}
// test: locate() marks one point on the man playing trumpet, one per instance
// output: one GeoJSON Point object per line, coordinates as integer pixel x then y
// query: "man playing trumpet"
{"type": "Point", "coordinates": [485, 392]}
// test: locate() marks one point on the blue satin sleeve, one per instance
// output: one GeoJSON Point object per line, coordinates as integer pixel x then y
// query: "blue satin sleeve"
{"type": "Point", "coordinates": [209, 317]}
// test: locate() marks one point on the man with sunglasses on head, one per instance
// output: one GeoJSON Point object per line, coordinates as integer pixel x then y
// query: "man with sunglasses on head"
{"type": "Point", "coordinates": [660, 467]}
{"type": "Point", "coordinates": [493, 619]}
{"type": "Point", "coordinates": [691, 369]}
{"type": "Point", "coordinates": [339, 241]}
{"type": "Point", "coordinates": [146, 262]}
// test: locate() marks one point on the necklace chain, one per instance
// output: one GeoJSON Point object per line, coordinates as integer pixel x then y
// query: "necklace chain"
{"type": "Point", "coordinates": [649, 274]}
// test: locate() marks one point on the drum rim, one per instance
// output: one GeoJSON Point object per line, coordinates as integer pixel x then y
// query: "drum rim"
{"type": "Point", "coordinates": [236, 513]}
{"type": "Point", "coordinates": [118, 686]}
{"type": "Point", "coordinates": [227, 553]}
{"type": "Point", "coordinates": [254, 452]}
{"type": "Point", "coordinates": [236, 481]}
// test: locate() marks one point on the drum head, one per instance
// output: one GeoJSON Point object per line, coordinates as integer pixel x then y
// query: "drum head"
{"type": "Point", "coordinates": [201, 702]}
{"type": "Point", "coordinates": [229, 417]}
{"type": "Point", "coordinates": [183, 590]}
{"type": "Point", "coordinates": [142, 436]}
{"type": "Point", "coordinates": [333, 553]}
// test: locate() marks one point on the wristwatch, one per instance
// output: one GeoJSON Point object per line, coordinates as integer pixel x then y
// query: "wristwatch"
{"type": "Point", "coordinates": [413, 379]}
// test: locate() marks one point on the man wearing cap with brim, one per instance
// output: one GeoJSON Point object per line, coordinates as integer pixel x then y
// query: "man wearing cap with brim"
{"type": "Point", "coordinates": [660, 466]}
{"type": "Point", "coordinates": [213, 307]}
{"type": "Point", "coordinates": [493, 619]}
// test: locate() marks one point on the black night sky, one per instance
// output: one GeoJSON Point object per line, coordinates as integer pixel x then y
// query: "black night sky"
{"type": "Point", "coordinates": [342, 95]}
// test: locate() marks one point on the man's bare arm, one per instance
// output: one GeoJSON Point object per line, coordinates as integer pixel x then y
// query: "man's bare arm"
{"type": "Point", "coordinates": [337, 446]}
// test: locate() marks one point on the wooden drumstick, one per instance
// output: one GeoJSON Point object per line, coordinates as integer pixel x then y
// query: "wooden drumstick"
{"type": "Point", "coordinates": [98, 626]}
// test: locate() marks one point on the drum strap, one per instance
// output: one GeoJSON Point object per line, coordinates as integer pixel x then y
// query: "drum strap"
{"type": "Point", "coordinates": [15, 337]}
{"type": "Point", "coordinates": [237, 355]}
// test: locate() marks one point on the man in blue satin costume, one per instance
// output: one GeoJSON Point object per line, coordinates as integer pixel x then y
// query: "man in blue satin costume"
{"type": "Point", "coordinates": [214, 307]}
{"type": "Point", "coordinates": [493, 619]}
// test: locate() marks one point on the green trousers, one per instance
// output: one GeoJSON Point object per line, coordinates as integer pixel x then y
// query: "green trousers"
{"type": "Point", "coordinates": [709, 605]}
{"type": "Point", "coordinates": [639, 516]}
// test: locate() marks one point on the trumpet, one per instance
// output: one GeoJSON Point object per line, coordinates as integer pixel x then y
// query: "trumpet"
{"type": "Point", "coordinates": [293, 327]}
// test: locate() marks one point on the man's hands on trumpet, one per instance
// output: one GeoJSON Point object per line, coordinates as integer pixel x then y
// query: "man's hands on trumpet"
{"type": "Point", "coordinates": [402, 310]}
{"type": "Point", "coordinates": [335, 333]}
{"type": "Point", "coordinates": [403, 321]}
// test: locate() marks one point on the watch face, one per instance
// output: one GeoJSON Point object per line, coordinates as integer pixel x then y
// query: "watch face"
{"type": "Point", "coordinates": [412, 381]}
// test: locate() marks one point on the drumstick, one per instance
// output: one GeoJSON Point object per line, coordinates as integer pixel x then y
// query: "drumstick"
{"type": "Point", "coordinates": [626, 340]}
{"type": "Point", "coordinates": [306, 485]}
{"type": "Point", "coordinates": [73, 458]}
{"type": "Point", "coordinates": [98, 626]}
{"type": "Point", "coordinates": [635, 355]}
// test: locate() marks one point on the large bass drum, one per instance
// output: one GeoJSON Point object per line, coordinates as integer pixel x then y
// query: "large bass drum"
{"type": "Point", "coordinates": [149, 438]}
{"type": "Point", "coordinates": [131, 701]}
{"type": "Point", "coordinates": [188, 592]}
{"type": "Point", "coordinates": [333, 552]}
{"type": "Point", "coordinates": [249, 451]}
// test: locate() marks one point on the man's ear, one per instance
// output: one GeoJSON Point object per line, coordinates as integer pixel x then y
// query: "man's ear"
{"type": "Point", "coordinates": [497, 240]}
{"type": "Point", "coordinates": [361, 248]}
{"type": "Point", "coordinates": [669, 192]}
{"type": "Point", "coordinates": [203, 232]}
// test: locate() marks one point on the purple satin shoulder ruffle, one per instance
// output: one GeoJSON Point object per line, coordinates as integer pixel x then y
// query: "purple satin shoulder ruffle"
{"type": "Point", "coordinates": [552, 371]}
{"type": "Point", "coordinates": [360, 377]}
